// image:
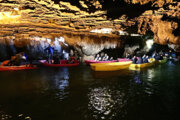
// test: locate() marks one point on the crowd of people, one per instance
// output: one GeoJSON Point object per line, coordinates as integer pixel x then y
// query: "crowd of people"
{"type": "Point", "coordinates": [156, 55]}
{"type": "Point", "coordinates": [54, 57]}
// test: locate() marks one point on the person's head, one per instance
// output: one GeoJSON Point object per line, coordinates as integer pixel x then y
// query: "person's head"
{"type": "Point", "coordinates": [105, 54]}
{"type": "Point", "coordinates": [22, 53]}
{"type": "Point", "coordinates": [97, 55]}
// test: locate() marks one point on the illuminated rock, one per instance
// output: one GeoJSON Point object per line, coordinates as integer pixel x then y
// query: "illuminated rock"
{"type": "Point", "coordinates": [23, 20]}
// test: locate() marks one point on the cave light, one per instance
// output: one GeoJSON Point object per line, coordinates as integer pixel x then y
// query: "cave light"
{"type": "Point", "coordinates": [9, 15]}
{"type": "Point", "coordinates": [61, 39]}
{"type": "Point", "coordinates": [123, 32]}
{"type": "Point", "coordinates": [134, 35]}
{"type": "Point", "coordinates": [149, 43]}
{"type": "Point", "coordinates": [17, 9]}
{"type": "Point", "coordinates": [103, 30]}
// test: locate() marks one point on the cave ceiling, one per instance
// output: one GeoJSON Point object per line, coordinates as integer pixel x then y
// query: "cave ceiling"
{"type": "Point", "coordinates": [76, 19]}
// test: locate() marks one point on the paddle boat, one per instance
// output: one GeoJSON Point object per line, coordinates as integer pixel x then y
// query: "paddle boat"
{"type": "Point", "coordinates": [143, 65]}
{"type": "Point", "coordinates": [110, 66]}
{"type": "Point", "coordinates": [63, 63]}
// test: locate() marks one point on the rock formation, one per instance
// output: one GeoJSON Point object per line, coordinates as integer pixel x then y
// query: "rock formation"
{"type": "Point", "coordinates": [82, 22]}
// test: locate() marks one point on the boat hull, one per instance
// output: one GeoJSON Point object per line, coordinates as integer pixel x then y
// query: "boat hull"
{"type": "Point", "coordinates": [15, 68]}
{"type": "Point", "coordinates": [110, 66]}
{"type": "Point", "coordinates": [88, 62]}
{"type": "Point", "coordinates": [144, 65]}
{"type": "Point", "coordinates": [63, 63]}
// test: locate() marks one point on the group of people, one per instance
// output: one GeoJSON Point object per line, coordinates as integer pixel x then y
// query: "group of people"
{"type": "Point", "coordinates": [105, 57]}
{"type": "Point", "coordinates": [54, 57]}
{"type": "Point", "coordinates": [17, 60]}
{"type": "Point", "coordinates": [140, 60]}
{"type": "Point", "coordinates": [156, 55]}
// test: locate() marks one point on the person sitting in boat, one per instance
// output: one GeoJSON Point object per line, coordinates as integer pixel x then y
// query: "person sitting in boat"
{"type": "Point", "coordinates": [139, 60]}
{"type": "Point", "coordinates": [56, 60]}
{"type": "Point", "coordinates": [161, 57]}
{"type": "Point", "coordinates": [98, 58]}
{"type": "Point", "coordinates": [134, 59]}
{"type": "Point", "coordinates": [17, 60]}
{"type": "Point", "coordinates": [111, 59]}
{"type": "Point", "coordinates": [154, 54]}
{"type": "Point", "coordinates": [128, 56]}
{"type": "Point", "coordinates": [70, 61]}
{"type": "Point", "coordinates": [157, 57]}
{"type": "Point", "coordinates": [105, 58]}
{"type": "Point", "coordinates": [145, 60]}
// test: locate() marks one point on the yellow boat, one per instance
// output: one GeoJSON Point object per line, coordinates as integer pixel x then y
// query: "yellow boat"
{"type": "Point", "coordinates": [144, 65]}
{"type": "Point", "coordinates": [110, 66]}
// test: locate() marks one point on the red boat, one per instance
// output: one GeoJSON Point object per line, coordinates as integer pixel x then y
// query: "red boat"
{"type": "Point", "coordinates": [14, 68]}
{"type": "Point", "coordinates": [63, 63]}
{"type": "Point", "coordinates": [93, 61]}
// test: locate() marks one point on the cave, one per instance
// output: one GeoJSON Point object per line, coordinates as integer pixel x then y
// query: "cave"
{"type": "Point", "coordinates": [62, 75]}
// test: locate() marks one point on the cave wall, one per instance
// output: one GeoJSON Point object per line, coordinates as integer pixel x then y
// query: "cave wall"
{"type": "Point", "coordinates": [22, 22]}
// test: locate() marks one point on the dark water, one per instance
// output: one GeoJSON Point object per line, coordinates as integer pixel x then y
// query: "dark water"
{"type": "Point", "coordinates": [81, 94]}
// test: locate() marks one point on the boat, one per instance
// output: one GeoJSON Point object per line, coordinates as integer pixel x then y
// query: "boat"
{"type": "Point", "coordinates": [161, 61]}
{"type": "Point", "coordinates": [63, 63]}
{"type": "Point", "coordinates": [143, 65]}
{"type": "Point", "coordinates": [110, 66]}
{"type": "Point", "coordinates": [15, 68]}
{"type": "Point", "coordinates": [94, 61]}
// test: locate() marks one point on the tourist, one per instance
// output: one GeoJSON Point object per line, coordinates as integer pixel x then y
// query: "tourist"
{"type": "Point", "coordinates": [70, 61]}
{"type": "Point", "coordinates": [105, 58]}
{"type": "Point", "coordinates": [134, 59]}
{"type": "Point", "coordinates": [111, 59]}
{"type": "Point", "coordinates": [17, 60]}
{"type": "Point", "coordinates": [145, 60]}
{"type": "Point", "coordinates": [139, 60]}
{"type": "Point", "coordinates": [56, 60]}
{"type": "Point", "coordinates": [128, 56]}
{"type": "Point", "coordinates": [50, 51]}
{"type": "Point", "coordinates": [161, 57]}
{"type": "Point", "coordinates": [154, 54]}
{"type": "Point", "coordinates": [98, 58]}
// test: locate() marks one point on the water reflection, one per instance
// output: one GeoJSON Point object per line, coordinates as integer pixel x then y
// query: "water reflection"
{"type": "Point", "coordinates": [59, 81]}
{"type": "Point", "coordinates": [100, 101]}
{"type": "Point", "coordinates": [106, 103]}
{"type": "Point", "coordinates": [144, 79]}
{"type": "Point", "coordinates": [108, 74]}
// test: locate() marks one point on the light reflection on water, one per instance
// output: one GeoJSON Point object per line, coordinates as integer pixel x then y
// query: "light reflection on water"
{"type": "Point", "coordinates": [100, 101]}
{"type": "Point", "coordinates": [79, 93]}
